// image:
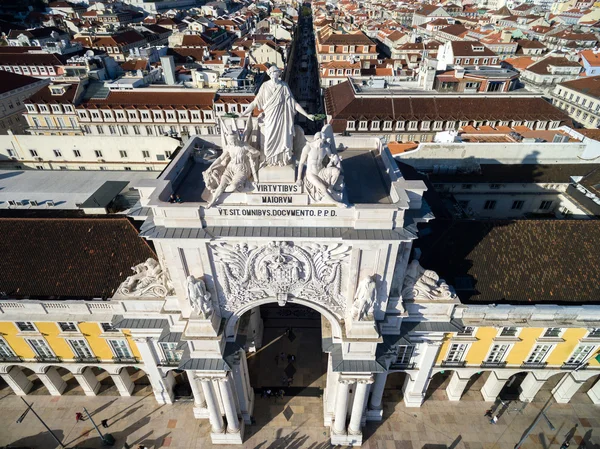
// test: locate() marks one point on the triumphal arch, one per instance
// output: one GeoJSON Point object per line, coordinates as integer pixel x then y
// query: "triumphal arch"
{"type": "Point", "coordinates": [267, 215]}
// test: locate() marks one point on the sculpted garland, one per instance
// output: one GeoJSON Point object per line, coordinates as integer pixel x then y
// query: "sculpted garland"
{"type": "Point", "coordinates": [280, 269]}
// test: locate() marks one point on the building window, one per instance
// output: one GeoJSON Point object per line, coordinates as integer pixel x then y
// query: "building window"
{"type": "Point", "coordinates": [546, 205]}
{"type": "Point", "coordinates": [539, 353]}
{"type": "Point", "coordinates": [387, 125]}
{"type": "Point", "coordinates": [553, 332]}
{"type": "Point", "coordinates": [350, 125]}
{"type": "Point", "coordinates": [145, 154]}
{"type": "Point", "coordinates": [40, 347]}
{"type": "Point", "coordinates": [100, 129]}
{"type": "Point", "coordinates": [127, 168]}
{"type": "Point", "coordinates": [33, 153]}
{"type": "Point", "coordinates": [112, 130]}
{"type": "Point", "coordinates": [497, 354]}
{"type": "Point", "coordinates": [122, 153]}
{"type": "Point", "coordinates": [136, 130]}
{"type": "Point", "coordinates": [98, 153]}
{"type": "Point", "coordinates": [362, 125]}
{"type": "Point", "coordinates": [489, 205]}
{"type": "Point", "coordinates": [580, 354]}
{"type": "Point", "coordinates": [518, 204]}
{"type": "Point", "coordinates": [25, 326]}
{"type": "Point", "coordinates": [67, 326]}
{"type": "Point", "coordinates": [108, 327]}
{"type": "Point", "coordinates": [405, 353]}
{"type": "Point", "coordinates": [149, 130]}
{"type": "Point", "coordinates": [57, 153]}
{"type": "Point", "coordinates": [76, 153]}
{"type": "Point", "coordinates": [82, 168]}
{"type": "Point", "coordinates": [412, 125]}
{"type": "Point", "coordinates": [509, 331]}
{"type": "Point", "coordinates": [120, 348]}
{"type": "Point", "coordinates": [168, 154]}
{"type": "Point", "coordinates": [594, 332]}
{"type": "Point", "coordinates": [5, 349]}
{"type": "Point", "coordinates": [467, 331]}
{"type": "Point", "coordinates": [170, 352]}
{"type": "Point", "coordinates": [80, 349]}
{"type": "Point", "coordinates": [456, 352]}
{"type": "Point", "coordinates": [124, 130]}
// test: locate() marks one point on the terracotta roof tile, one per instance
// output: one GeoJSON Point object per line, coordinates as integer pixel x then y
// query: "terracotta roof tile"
{"type": "Point", "coordinates": [68, 258]}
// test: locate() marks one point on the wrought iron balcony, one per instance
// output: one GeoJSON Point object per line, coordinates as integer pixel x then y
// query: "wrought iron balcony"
{"type": "Point", "coordinates": [13, 358]}
{"type": "Point", "coordinates": [533, 365]}
{"type": "Point", "coordinates": [493, 364]}
{"type": "Point", "coordinates": [402, 366]}
{"type": "Point", "coordinates": [125, 359]}
{"type": "Point", "coordinates": [573, 366]}
{"type": "Point", "coordinates": [170, 362]}
{"type": "Point", "coordinates": [453, 364]}
{"type": "Point", "coordinates": [86, 359]}
{"type": "Point", "coordinates": [48, 359]}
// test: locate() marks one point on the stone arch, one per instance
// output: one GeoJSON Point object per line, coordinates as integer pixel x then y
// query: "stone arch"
{"type": "Point", "coordinates": [230, 324]}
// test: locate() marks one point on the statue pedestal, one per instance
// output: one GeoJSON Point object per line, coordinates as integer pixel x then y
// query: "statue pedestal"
{"type": "Point", "coordinates": [362, 329]}
{"type": "Point", "coordinates": [273, 174]}
{"type": "Point", "coordinates": [199, 327]}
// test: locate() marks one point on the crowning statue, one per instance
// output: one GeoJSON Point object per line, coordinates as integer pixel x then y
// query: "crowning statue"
{"type": "Point", "coordinates": [148, 279]}
{"type": "Point", "coordinates": [364, 300]}
{"type": "Point", "coordinates": [323, 167]}
{"type": "Point", "coordinates": [279, 107]}
{"type": "Point", "coordinates": [199, 297]}
{"type": "Point", "coordinates": [239, 160]}
{"type": "Point", "coordinates": [420, 283]}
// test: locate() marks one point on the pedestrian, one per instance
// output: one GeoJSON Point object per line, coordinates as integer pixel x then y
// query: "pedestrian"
{"type": "Point", "coordinates": [269, 392]}
{"type": "Point", "coordinates": [293, 357]}
{"type": "Point", "coordinates": [178, 199]}
{"type": "Point", "coordinates": [104, 423]}
{"type": "Point", "coordinates": [282, 356]}
{"type": "Point", "coordinates": [488, 413]}
{"type": "Point", "coordinates": [494, 420]}
{"type": "Point", "coordinates": [289, 381]}
{"type": "Point", "coordinates": [78, 417]}
{"type": "Point", "coordinates": [565, 445]}
{"type": "Point", "coordinates": [289, 358]}
{"type": "Point", "coordinates": [172, 198]}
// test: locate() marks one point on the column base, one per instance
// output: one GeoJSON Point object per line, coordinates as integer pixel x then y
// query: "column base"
{"type": "Point", "coordinates": [346, 439]}
{"type": "Point", "coordinates": [414, 399]}
{"type": "Point", "coordinates": [247, 415]}
{"type": "Point", "coordinates": [374, 415]}
{"type": "Point", "coordinates": [200, 412]}
{"type": "Point", "coordinates": [229, 438]}
{"type": "Point", "coordinates": [327, 416]}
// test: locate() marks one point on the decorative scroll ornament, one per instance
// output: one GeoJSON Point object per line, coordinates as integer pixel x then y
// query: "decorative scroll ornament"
{"type": "Point", "coordinates": [280, 269]}
{"type": "Point", "coordinates": [148, 280]}
{"type": "Point", "coordinates": [420, 283]}
{"type": "Point", "coordinates": [364, 300]}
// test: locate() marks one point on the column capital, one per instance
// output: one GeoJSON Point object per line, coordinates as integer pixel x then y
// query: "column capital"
{"type": "Point", "coordinates": [369, 380]}
{"type": "Point", "coordinates": [346, 381]}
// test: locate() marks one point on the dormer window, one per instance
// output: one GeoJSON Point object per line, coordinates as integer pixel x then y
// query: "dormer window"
{"type": "Point", "coordinates": [477, 48]}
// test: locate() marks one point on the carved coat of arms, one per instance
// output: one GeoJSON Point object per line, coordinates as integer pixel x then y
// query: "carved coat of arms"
{"type": "Point", "coordinates": [280, 269]}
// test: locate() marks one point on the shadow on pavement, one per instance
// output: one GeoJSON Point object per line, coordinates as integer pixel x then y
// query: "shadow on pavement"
{"type": "Point", "coordinates": [43, 440]}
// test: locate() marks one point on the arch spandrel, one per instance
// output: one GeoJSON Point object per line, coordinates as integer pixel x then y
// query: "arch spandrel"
{"type": "Point", "coordinates": [250, 274]}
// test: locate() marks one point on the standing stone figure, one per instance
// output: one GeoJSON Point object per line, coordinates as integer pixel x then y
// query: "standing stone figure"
{"type": "Point", "coordinates": [199, 297]}
{"type": "Point", "coordinates": [364, 300]}
{"type": "Point", "coordinates": [279, 107]}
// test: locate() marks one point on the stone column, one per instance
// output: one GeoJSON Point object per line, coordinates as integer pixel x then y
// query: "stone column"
{"type": "Point", "coordinates": [123, 382]}
{"type": "Point", "coordinates": [200, 410]}
{"type": "Point", "coordinates": [492, 386]}
{"type": "Point", "coordinates": [329, 393]}
{"type": "Point", "coordinates": [341, 406]}
{"type": "Point", "coordinates": [377, 391]}
{"type": "Point", "coordinates": [214, 415]}
{"type": "Point", "coordinates": [245, 394]}
{"type": "Point", "coordinates": [567, 387]}
{"type": "Point", "coordinates": [594, 393]}
{"type": "Point", "coordinates": [18, 381]}
{"type": "Point", "coordinates": [233, 423]}
{"type": "Point", "coordinates": [162, 391]}
{"type": "Point", "coordinates": [530, 386]}
{"type": "Point", "coordinates": [87, 380]}
{"type": "Point", "coordinates": [414, 389]}
{"type": "Point", "coordinates": [456, 386]}
{"type": "Point", "coordinates": [53, 381]}
{"type": "Point", "coordinates": [360, 399]}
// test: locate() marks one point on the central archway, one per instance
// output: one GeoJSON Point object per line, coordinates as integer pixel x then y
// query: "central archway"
{"type": "Point", "coordinates": [233, 319]}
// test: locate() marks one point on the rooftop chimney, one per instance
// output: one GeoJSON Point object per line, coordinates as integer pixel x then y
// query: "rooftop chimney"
{"type": "Point", "coordinates": [168, 67]}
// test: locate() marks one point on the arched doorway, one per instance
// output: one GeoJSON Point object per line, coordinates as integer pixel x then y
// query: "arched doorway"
{"type": "Point", "coordinates": [290, 355]}
{"type": "Point", "coordinates": [37, 387]}
{"type": "Point", "coordinates": [182, 390]}
{"type": "Point", "coordinates": [141, 381]}
{"type": "Point", "coordinates": [72, 387]}
{"type": "Point", "coordinates": [393, 392]}
{"type": "Point", "coordinates": [512, 388]}
{"type": "Point", "coordinates": [436, 390]}
{"type": "Point", "coordinates": [473, 388]}
{"type": "Point", "coordinates": [107, 384]}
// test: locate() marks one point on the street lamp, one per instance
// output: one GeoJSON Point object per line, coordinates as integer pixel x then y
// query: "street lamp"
{"type": "Point", "coordinates": [108, 439]}
{"type": "Point", "coordinates": [24, 414]}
